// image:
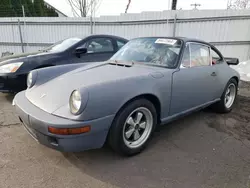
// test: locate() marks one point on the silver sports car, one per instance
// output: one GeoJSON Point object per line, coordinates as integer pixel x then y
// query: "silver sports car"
{"type": "Point", "coordinates": [149, 82]}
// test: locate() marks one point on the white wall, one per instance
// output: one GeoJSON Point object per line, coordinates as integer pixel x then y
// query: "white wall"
{"type": "Point", "coordinates": [228, 29]}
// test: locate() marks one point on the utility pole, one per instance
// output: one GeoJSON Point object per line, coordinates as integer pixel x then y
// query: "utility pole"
{"type": "Point", "coordinates": [127, 7]}
{"type": "Point", "coordinates": [174, 4]}
{"type": "Point", "coordinates": [195, 5]}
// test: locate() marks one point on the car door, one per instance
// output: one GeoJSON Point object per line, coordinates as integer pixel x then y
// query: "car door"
{"type": "Point", "coordinates": [220, 66]}
{"type": "Point", "coordinates": [193, 85]}
{"type": "Point", "coordinates": [98, 49]}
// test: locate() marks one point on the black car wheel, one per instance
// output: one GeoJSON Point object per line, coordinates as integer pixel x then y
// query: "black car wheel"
{"type": "Point", "coordinates": [133, 127]}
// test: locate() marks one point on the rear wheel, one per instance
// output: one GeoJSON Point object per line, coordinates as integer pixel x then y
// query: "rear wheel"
{"type": "Point", "coordinates": [228, 97]}
{"type": "Point", "coordinates": [133, 127]}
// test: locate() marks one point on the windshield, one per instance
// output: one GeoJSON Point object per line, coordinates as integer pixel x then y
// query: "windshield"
{"type": "Point", "coordinates": [62, 45]}
{"type": "Point", "coordinates": [155, 51]}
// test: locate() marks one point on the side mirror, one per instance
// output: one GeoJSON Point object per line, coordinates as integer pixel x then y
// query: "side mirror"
{"type": "Point", "coordinates": [232, 61]}
{"type": "Point", "coordinates": [80, 51]}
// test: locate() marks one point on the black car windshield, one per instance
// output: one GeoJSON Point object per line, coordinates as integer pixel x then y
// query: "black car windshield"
{"type": "Point", "coordinates": [62, 45]}
{"type": "Point", "coordinates": [155, 51]}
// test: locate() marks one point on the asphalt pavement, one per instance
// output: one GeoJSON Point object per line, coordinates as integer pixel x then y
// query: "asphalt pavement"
{"type": "Point", "coordinates": [202, 150]}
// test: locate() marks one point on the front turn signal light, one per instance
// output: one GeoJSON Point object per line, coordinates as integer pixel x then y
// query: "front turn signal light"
{"type": "Point", "coordinates": [69, 131]}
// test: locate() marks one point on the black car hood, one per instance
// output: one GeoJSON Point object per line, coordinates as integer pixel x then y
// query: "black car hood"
{"type": "Point", "coordinates": [22, 57]}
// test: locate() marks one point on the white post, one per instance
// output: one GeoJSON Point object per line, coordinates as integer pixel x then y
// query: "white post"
{"type": "Point", "coordinates": [24, 22]}
{"type": "Point", "coordinates": [168, 18]}
{"type": "Point", "coordinates": [23, 11]}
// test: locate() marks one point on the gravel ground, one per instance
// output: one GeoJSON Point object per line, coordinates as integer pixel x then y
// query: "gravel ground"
{"type": "Point", "coordinates": [203, 150]}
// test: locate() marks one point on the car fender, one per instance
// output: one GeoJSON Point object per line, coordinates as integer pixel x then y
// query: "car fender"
{"type": "Point", "coordinates": [125, 91]}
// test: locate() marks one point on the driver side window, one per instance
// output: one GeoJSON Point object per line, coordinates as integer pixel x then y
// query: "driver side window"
{"type": "Point", "coordinates": [98, 45]}
{"type": "Point", "coordinates": [196, 55]}
{"type": "Point", "coordinates": [200, 55]}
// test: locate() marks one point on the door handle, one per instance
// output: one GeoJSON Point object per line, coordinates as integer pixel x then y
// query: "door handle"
{"type": "Point", "coordinates": [213, 74]}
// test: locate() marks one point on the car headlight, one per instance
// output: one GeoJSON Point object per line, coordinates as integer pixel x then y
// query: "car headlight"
{"type": "Point", "coordinates": [75, 102]}
{"type": "Point", "coordinates": [31, 79]}
{"type": "Point", "coordinates": [10, 68]}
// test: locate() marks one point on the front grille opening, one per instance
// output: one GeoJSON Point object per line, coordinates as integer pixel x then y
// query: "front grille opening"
{"type": "Point", "coordinates": [53, 141]}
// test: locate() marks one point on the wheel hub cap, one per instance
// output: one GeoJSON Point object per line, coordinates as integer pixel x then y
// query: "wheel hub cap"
{"type": "Point", "coordinates": [137, 127]}
{"type": "Point", "coordinates": [230, 95]}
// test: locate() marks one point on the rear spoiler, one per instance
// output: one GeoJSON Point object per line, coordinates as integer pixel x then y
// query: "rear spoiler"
{"type": "Point", "coordinates": [232, 61]}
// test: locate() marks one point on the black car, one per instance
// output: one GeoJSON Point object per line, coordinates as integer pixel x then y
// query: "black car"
{"type": "Point", "coordinates": [95, 48]}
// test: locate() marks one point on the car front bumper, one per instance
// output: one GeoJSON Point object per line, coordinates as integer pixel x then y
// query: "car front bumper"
{"type": "Point", "coordinates": [12, 82]}
{"type": "Point", "coordinates": [37, 121]}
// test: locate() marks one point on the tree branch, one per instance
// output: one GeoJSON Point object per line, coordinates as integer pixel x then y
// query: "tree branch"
{"type": "Point", "coordinates": [240, 4]}
{"type": "Point", "coordinates": [81, 6]}
{"type": "Point", "coordinates": [73, 8]}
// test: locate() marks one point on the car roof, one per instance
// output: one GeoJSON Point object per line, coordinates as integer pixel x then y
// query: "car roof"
{"type": "Point", "coordinates": [185, 39]}
{"type": "Point", "coordinates": [105, 35]}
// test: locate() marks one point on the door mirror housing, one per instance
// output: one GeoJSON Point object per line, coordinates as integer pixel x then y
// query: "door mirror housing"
{"type": "Point", "coordinates": [80, 50]}
{"type": "Point", "coordinates": [232, 61]}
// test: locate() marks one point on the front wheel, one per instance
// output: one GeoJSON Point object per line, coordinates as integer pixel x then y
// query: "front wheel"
{"type": "Point", "coordinates": [133, 127]}
{"type": "Point", "coordinates": [228, 97]}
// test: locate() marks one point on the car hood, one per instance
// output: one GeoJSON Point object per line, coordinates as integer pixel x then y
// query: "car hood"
{"type": "Point", "coordinates": [21, 57]}
{"type": "Point", "coordinates": [55, 93]}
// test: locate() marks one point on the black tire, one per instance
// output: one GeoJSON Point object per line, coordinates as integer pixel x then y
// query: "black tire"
{"type": "Point", "coordinates": [220, 106]}
{"type": "Point", "coordinates": [116, 137]}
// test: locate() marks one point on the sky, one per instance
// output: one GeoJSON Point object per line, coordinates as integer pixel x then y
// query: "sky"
{"type": "Point", "coordinates": [115, 7]}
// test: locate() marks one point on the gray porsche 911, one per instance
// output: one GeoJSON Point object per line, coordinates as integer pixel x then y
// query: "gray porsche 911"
{"type": "Point", "coordinates": [149, 82]}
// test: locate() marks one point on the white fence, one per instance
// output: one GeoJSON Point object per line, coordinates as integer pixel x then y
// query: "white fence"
{"type": "Point", "coordinates": [229, 30]}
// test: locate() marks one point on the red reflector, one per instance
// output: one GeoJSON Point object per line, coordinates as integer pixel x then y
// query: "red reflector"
{"type": "Point", "coordinates": [69, 131]}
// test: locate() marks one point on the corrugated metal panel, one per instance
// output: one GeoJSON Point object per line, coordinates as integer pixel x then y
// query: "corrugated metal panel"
{"type": "Point", "coordinates": [9, 33]}
{"type": "Point", "coordinates": [228, 30]}
{"type": "Point", "coordinates": [239, 51]}
{"type": "Point", "coordinates": [135, 30]}
{"type": "Point", "coordinates": [53, 33]}
{"type": "Point", "coordinates": [220, 26]}
{"type": "Point", "coordinates": [13, 49]}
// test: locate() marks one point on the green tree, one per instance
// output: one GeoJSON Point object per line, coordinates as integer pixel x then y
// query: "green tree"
{"type": "Point", "coordinates": [6, 9]}
{"type": "Point", "coordinates": [39, 8]}
{"type": "Point", "coordinates": [17, 7]}
{"type": "Point", "coordinates": [31, 8]}
{"type": "Point", "coordinates": [13, 8]}
{"type": "Point", "coordinates": [51, 12]}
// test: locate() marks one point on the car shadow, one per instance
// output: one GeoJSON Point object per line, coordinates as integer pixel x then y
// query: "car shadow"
{"type": "Point", "coordinates": [9, 97]}
{"type": "Point", "coordinates": [145, 169]}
